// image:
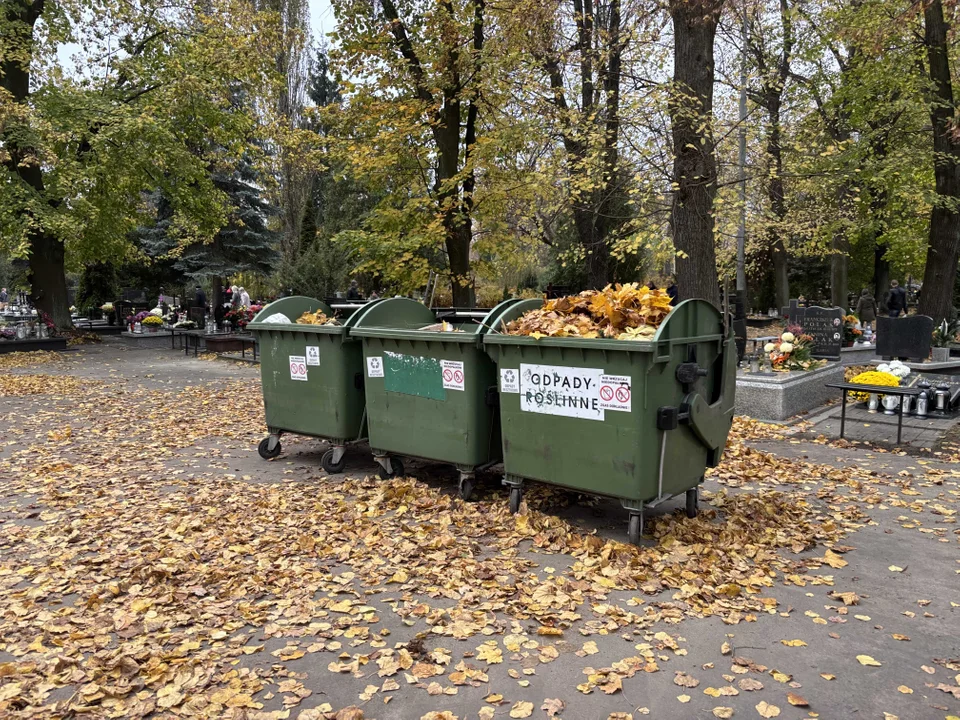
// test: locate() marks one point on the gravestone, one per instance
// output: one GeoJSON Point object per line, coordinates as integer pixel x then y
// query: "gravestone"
{"type": "Point", "coordinates": [905, 337]}
{"type": "Point", "coordinates": [825, 326]}
{"type": "Point", "coordinates": [794, 313]}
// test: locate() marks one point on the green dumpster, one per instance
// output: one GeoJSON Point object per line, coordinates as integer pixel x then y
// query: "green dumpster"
{"type": "Point", "coordinates": [634, 420]}
{"type": "Point", "coordinates": [312, 378]}
{"type": "Point", "coordinates": [430, 394]}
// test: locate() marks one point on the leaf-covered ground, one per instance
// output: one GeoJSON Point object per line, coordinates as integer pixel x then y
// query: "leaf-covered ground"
{"type": "Point", "coordinates": [151, 565]}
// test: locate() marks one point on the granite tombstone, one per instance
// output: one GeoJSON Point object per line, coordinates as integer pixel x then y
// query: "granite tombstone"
{"type": "Point", "coordinates": [794, 313]}
{"type": "Point", "coordinates": [905, 337]}
{"type": "Point", "coordinates": [825, 326]}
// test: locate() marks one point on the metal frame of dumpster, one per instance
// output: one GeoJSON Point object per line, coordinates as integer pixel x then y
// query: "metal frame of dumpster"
{"type": "Point", "coordinates": [430, 394]}
{"type": "Point", "coordinates": [331, 404]}
{"type": "Point", "coordinates": [635, 420]}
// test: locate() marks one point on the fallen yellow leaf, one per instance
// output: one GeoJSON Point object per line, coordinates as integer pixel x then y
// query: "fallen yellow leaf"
{"type": "Point", "coordinates": [793, 643]}
{"type": "Point", "coordinates": [867, 660]}
{"type": "Point", "coordinates": [797, 700]}
{"type": "Point", "coordinates": [767, 710]}
{"type": "Point", "coordinates": [522, 710]}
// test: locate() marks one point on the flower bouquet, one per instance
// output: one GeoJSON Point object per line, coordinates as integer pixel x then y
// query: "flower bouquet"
{"type": "Point", "coordinates": [851, 333]}
{"type": "Point", "coordinates": [152, 322]}
{"type": "Point", "coordinates": [874, 377]}
{"type": "Point", "coordinates": [240, 317]}
{"type": "Point", "coordinates": [792, 351]}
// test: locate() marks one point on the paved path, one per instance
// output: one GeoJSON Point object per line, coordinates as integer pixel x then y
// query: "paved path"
{"type": "Point", "coordinates": [152, 563]}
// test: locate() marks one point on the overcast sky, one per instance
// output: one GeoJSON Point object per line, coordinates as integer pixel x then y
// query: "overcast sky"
{"type": "Point", "coordinates": [321, 18]}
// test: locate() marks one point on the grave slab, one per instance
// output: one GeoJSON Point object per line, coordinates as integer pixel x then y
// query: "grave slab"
{"type": "Point", "coordinates": [779, 396]}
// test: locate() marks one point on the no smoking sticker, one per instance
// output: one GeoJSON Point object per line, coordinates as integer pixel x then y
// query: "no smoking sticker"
{"type": "Point", "coordinates": [298, 367]}
{"type": "Point", "coordinates": [615, 393]}
{"type": "Point", "coordinates": [452, 371]}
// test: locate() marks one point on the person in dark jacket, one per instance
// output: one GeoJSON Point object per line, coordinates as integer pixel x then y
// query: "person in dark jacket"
{"type": "Point", "coordinates": [866, 309]}
{"type": "Point", "coordinates": [897, 300]}
{"type": "Point", "coordinates": [200, 298]}
{"type": "Point", "coordinates": [354, 292]}
{"type": "Point", "coordinates": [673, 292]}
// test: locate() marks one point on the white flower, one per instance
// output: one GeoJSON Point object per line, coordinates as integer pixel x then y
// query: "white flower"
{"type": "Point", "coordinates": [884, 367]}
{"type": "Point", "coordinates": [785, 346]}
{"type": "Point", "coordinates": [769, 347]}
{"type": "Point", "coordinates": [788, 337]}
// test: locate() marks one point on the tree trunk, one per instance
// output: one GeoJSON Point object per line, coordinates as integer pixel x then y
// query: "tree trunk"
{"type": "Point", "coordinates": [694, 164]}
{"type": "Point", "coordinates": [594, 243]}
{"type": "Point", "coordinates": [216, 292]}
{"type": "Point", "coordinates": [881, 273]}
{"type": "Point", "coordinates": [47, 275]}
{"type": "Point", "coordinates": [458, 252]}
{"type": "Point", "coordinates": [839, 262]}
{"type": "Point", "coordinates": [943, 249]}
{"type": "Point", "coordinates": [47, 279]}
{"type": "Point", "coordinates": [778, 205]}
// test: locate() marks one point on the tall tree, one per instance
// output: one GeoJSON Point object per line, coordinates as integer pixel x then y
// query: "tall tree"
{"type": "Point", "coordinates": [694, 163]}
{"type": "Point", "coordinates": [772, 64]}
{"type": "Point", "coordinates": [580, 48]}
{"type": "Point", "coordinates": [943, 251]}
{"type": "Point", "coordinates": [419, 77]}
{"type": "Point", "coordinates": [24, 178]}
{"type": "Point", "coordinates": [79, 150]}
{"type": "Point", "coordinates": [292, 62]}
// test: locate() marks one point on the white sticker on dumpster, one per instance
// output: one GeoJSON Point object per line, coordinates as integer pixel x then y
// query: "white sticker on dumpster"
{"type": "Point", "coordinates": [298, 367]}
{"type": "Point", "coordinates": [452, 371]}
{"type": "Point", "coordinates": [558, 390]}
{"type": "Point", "coordinates": [313, 354]}
{"type": "Point", "coordinates": [375, 366]}
{"type": "Point", "coordinates": [615, 392]}
{"type": "Point", "coordinates": [509, 381]}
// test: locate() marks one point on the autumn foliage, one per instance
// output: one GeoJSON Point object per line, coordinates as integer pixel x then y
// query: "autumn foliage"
{"type": "Point", "coordinates": [623, 312]}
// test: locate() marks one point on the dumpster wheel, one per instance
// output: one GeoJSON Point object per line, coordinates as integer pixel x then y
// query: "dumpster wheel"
{"type": "Point", "coordinates": [468, 484]}
{"type": "Point", "coordinates": [635, 528]}
{"type": "Point", "coordinates": [396, 464]}
{"type": "Point", "coordinates": [693, 499]}
{"type": "Point", "coordinates": [264, 449]}
{"type": "Point", "coordinates": [516, 495]}
{"type": "Point", "coordinates": [330, 465]}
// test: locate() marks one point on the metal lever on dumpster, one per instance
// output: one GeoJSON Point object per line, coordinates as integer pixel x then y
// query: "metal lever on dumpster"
{"type": "Point", "coordinates": [688, 372]}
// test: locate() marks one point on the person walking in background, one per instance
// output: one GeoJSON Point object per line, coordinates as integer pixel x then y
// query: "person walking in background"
{"type": "Point", "coordinates": [244, 298]}
{"type": "Point", "coordinates": [234, 296]}
{"type": "Point", "coordinates": [866, 309]}
{"type": "Point", "coordinates": [4, 298]}
{"type": "Point", "coordinates": [897, 301]}
{"type": "Point", "coordinates": [673, 292]}
{"type": "Point", "coordinates": [354, 292]}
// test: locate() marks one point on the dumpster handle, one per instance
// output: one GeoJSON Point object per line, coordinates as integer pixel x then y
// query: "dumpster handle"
{"type": "Point", "coordinates": [663, 452]}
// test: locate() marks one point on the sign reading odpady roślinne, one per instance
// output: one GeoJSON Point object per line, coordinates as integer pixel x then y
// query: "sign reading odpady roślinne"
{"type": "Point", "coordinates": [572, 392]}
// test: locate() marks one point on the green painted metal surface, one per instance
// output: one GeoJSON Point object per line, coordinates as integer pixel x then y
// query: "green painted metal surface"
{"type": "Point", "coordinates": [413, 375]}
{"type": "Point", "coordinates": [321, 396]}
{"type": "Point", "coordinates": [583, 413]}
{"type": "Point", "coordinates": [428, 393]}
